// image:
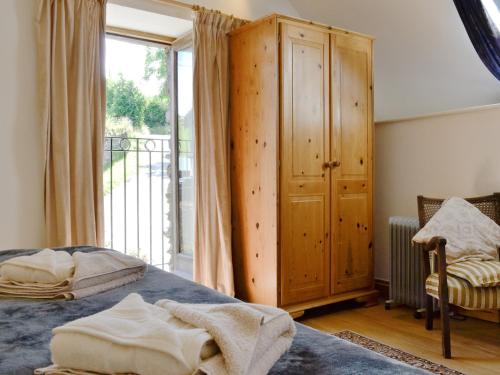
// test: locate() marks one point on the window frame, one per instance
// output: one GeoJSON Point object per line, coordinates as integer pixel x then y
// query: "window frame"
{"type": "Point", "coordinates": [182, 263]}
{"type": "Point", "coordinates": [139, 35]}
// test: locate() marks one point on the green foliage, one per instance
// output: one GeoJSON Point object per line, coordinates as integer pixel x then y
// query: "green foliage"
{"type": "Point", "coordinates": [118, 127]}
{"type": "Point", "coordinates": [124, 99]}
{"type": "Point", "coordinates": [186, 132]}
{"type": "Point", "coordinates": [155, 114]}
{"type": "Point", "coordinates": [156, 63]}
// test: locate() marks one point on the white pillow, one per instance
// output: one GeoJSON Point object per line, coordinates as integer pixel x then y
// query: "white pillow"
{"type": "Point", "coordinates": [468, 232]}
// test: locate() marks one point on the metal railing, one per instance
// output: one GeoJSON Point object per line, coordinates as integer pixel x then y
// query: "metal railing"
{"type": "Point", "coordinates": [138, 197]}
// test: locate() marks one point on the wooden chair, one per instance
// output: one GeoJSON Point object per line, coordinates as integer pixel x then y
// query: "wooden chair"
{"type": "Point", "coordinates": [427, 207]}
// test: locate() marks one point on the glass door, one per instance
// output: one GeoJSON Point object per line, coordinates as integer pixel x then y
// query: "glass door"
{"type": "Point", "coordinates": [183, 144]}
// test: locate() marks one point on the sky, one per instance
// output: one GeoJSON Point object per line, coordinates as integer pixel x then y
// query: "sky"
{"type": "Point", "coordinates": [128, 59]}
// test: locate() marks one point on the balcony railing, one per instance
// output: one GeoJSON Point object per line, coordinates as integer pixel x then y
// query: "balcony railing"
{"type": "Point", "coordinates": [139, 198]}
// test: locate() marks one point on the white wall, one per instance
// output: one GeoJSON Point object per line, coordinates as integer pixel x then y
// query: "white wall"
{"type": "Point", "coordinates": [424, 60]}
{"type": "Point", "coordinates": [437, 156]}
{"type": "Point", "coordinates": [247, 9]}
{"type": "Point", "coordinates": [21, 166]}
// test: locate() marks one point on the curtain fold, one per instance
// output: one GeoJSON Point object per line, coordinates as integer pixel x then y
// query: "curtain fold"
{"type": "Point", "coordinates": [212, 244]}
{"type": "Point", "coordinates": [71, 41]}
{"type": "Point", "coordinates": [482, 30]}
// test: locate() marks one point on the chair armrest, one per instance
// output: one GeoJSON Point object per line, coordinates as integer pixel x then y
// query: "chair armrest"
{"type": "Point", "coordinates": [435, 243]}
{"type": "Point", "coordinates": [439, 244]}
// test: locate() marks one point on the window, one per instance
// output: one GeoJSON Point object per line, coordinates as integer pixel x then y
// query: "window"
{"type": "Point", "coordinates": [184, 162]}
{"type": "Point", "coordinates": [148, 152]}
{"type": "Point", "coordinates": [492, 10]}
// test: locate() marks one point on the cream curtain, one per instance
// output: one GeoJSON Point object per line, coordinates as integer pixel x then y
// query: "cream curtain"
{"type": "Point", "coordinates": [71, 36]}
{"type": "Point", "coordinates": [212, 255]}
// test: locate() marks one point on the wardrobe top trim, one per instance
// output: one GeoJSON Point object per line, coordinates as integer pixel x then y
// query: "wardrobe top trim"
{"type": "Point", "coordinates": [282, 18]}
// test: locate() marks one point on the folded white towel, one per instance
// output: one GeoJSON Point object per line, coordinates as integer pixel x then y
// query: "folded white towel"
{"type": "Point", "coordinates": [45, 267]}
{"type": "Point", "coordinates": [131, 337]}
{"type": "Point", "coordinates": [91, 273]}
{"type": "Point", "coordinates": [251, 337]}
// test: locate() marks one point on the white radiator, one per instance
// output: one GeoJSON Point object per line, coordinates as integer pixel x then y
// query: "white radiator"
{"type": "Point", "coordinates": [407, 270]}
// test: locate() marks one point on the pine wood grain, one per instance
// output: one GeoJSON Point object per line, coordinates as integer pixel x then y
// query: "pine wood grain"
{"type": "Point", "coordinates": [305, 182]}
{"type": "Point", "coordinates": [254, 102]}
{"type": "Point", "coordinates": [352, 137]}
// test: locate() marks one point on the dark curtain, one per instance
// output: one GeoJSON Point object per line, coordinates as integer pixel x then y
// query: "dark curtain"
{"type": "Point", "coordinates": [482, 32]}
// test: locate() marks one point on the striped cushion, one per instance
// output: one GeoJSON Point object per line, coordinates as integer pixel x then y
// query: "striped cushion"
{"type": "Point", "coordinates": [463, 294]}
{"type": "Point", "coordinates": [478, 273]}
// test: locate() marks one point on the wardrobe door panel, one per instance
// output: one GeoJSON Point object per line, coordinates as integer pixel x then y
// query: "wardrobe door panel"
{"type": "Point", "coordinates": [304, 263]}
{"type": "Point", "coordinates": [352, 72]}
{"type": "Point", "coordinates": [352, 261]}
{"type": "Point", "coordinates": [352, 188]}
{"type": "Point", "coordinates": [308, 132]}
{"type": "Point", "coordinates": [305, 147]}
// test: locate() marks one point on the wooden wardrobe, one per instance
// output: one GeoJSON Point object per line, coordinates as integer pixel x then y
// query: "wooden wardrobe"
{"type": "Point", "coordinates": [301, 113]}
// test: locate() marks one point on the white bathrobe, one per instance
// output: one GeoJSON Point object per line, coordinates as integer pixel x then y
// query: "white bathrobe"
{"type": "Point", "coordinates": [171, 338]}
{"type": "Point", "coordinates": [131, 337]}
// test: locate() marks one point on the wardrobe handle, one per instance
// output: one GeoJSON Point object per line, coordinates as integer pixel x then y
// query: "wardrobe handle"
{"type": "Point", "coordinates": [334, 164]}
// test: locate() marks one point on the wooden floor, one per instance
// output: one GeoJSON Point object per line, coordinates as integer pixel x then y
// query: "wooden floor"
{"type": "Point", "coordinates": [475, 343]}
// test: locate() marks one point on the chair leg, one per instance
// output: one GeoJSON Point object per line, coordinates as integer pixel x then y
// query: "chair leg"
{"type": "Point", "coordinates": [445, 328]}
{"type": "Point", "coordinates": [429, 312]}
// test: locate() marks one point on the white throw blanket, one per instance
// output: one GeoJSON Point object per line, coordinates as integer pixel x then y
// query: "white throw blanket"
{"type": "Point", "coordinates": [173, 338]}
{"type": "Point", "coordinates": [51, 274]}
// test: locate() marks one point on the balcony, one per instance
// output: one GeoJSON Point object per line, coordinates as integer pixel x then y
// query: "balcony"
{"type": "Point", "coordinates": [147, 214]}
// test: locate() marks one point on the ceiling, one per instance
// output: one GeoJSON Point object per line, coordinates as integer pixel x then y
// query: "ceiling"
{"type": "Point", "coordinates": [142, 20]}
{"type": "Point", "coordinates": [424, 60]}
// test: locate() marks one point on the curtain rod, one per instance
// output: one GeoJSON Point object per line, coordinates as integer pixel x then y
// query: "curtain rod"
{"type": "Point", "coordinates": [193, 7]}
{"type": "Point", "coordinates": [176, 3]}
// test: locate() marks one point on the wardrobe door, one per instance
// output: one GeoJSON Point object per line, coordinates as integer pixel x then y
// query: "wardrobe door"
{"type": "Point", "coordinates": [305, 147]}
{"type": "Point", "coordinates": [352, 168]}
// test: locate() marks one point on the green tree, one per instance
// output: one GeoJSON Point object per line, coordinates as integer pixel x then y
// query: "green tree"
{"type": "Point", "coordinates": [124, 99]}
{"type": "Point", "coordinates": [155, 63]}
{"type": "Point", "coordinates": [155, 114]}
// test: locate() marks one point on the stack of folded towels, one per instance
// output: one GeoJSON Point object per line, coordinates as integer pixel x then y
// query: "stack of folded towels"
{"type": "Point", "coordinates": [51, 274]}
{"type": "Point", "coordinates": [135, 337]}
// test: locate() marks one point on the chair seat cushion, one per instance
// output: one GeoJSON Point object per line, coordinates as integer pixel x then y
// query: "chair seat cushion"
{"type": "Point", "coordinates": [463, 294]}
{"type": "Point", "coordinates": [478, 273]}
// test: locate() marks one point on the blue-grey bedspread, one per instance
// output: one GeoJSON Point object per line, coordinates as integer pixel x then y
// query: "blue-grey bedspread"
{"type": "Point", "coordinates": [25, 329]}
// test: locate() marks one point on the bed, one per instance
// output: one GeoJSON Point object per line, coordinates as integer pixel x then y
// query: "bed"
{"type": "Point", "coordinates": [25, 328]}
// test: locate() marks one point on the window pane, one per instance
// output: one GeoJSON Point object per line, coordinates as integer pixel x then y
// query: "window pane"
{"type": "Point", "coordinates": [137, 185]}
{"type": "Point", "coordinates": [185, 149]}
